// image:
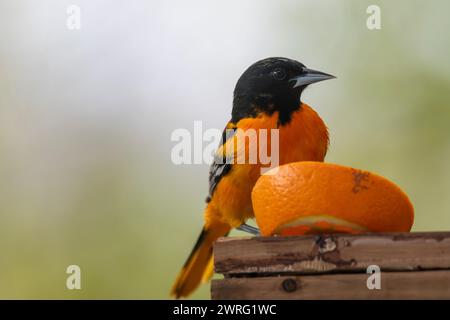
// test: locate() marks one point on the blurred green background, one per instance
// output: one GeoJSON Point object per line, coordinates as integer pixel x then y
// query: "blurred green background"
{"type": "Point", "coordinates": [86, 117]}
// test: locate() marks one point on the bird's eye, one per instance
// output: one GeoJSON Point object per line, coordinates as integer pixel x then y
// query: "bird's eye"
{"type": "Point", "coordinates": [279, 74]}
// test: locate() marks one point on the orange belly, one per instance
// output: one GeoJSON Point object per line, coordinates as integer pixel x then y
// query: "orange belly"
{"type": "Point", "coordinates": [304, 138]}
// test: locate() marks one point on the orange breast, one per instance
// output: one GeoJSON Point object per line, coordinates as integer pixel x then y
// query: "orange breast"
{"type": "Point", "coordinates": [304, 138]}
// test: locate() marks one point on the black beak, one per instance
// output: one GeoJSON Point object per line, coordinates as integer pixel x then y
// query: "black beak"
{"type": "Point", "coordinates": [309, 76]}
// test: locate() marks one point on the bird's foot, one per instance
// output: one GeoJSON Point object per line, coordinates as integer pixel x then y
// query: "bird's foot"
{"type": "Point", "coordinates": [249, 229]}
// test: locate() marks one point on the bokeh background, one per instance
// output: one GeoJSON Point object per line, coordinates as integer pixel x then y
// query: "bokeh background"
{"type": "Point", "coordinates": [86, 117]}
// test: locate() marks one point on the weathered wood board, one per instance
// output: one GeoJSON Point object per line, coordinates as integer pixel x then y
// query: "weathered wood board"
{"type": "Point", "coordinates": [332, 253]}
{"type": "Point", "coordinates": [394, 285]}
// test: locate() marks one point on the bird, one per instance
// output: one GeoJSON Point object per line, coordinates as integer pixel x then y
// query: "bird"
{"type": "Point", "coordinates": [266, 96]}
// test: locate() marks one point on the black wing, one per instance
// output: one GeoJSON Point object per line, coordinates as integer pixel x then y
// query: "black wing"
{"type": "Point", "coordinates": [221, 165]}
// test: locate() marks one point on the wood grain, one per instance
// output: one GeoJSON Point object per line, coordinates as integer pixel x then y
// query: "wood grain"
{"type": "Point", "coordinates": [332, 253]}
{"type": "Point", "coordinates": [394, 285]}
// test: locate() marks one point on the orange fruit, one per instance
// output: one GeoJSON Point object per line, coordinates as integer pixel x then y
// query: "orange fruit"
{"type": "Point", "coordinates": [316, 197]}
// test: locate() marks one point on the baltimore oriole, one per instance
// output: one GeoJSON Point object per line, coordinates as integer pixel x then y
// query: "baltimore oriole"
{"type": "Point", "coordinates": [266, 96]}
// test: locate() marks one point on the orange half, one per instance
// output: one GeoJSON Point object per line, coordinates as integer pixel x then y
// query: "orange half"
{"type": "Point", "coordinates": [315, 197]}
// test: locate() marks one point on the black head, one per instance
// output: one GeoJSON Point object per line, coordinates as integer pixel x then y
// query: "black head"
{"type": "Point", "coordinates": [273, 84]}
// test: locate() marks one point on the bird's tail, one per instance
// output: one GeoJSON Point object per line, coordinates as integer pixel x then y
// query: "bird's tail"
{"type": "Point", "coordinates": [198, 267]}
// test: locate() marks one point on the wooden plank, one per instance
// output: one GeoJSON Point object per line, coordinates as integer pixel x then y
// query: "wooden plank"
{"type": "Point", "coordinates": [332, 253]}
{"type": "Point", "coordinates": [394, 285]}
